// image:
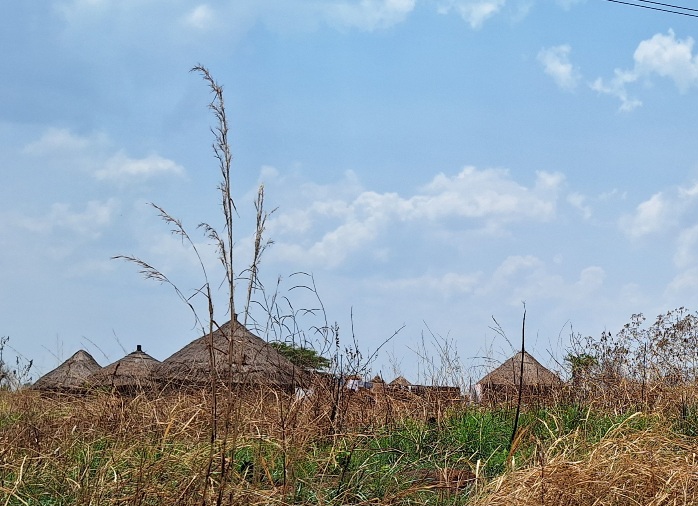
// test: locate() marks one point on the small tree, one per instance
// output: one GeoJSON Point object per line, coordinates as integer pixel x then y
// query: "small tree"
{"type": "Point", "coordinates": [305, 358]}
{"type": "Point", "coordinates": [580, 363]}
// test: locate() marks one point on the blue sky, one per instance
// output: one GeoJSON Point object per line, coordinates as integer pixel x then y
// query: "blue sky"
{"type": "Point", "coordinates": [434, 164]}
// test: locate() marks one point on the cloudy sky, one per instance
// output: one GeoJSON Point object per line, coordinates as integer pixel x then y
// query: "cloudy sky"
{"type": "Point", "coordinates": [433, 164]}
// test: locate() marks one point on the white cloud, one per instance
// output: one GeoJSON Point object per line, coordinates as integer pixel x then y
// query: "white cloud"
{"type": "Point", "coordinates": [267, 172]}
{"type": "Point", "coordinates": [234, 19]}
{"type": "Point", "coordinates": [662, 211]}
{"type": "Point", "coordinates": [474, 12]}
{"type": "Point", "coordinates": [336, 245]}
{"type": "Point", "coordinates": [489, 194]}
{"type": "Point", "coordinates": [650, 216]}
{"type": "Point", "coordinates": [614, 194]}
{"type": "Point", "coordinates": [360, 223]}
{"type": "Point", "coordinates": [683, 286]}
{"type": "Point", "coordinates": [94, 154]}
{"type": "Point", "coordinates": [689, 192]}
{"type": "Point", "coordinates": [446, 285]}
{"type": "Point", "coordinates": [549, 180]}
{"type": "Point", "coordinates": [122, 168]}
{"type": "Point", "coordinates": [662, 55]}
{"type": "Point", "coordinates": [74, 10]}
{"type": "Point", "coordinates": [368, 14]}
{"type": "Point", "coordinates": [666, 56]}
{"type": "Point", "coordinates": [568, 4]}
{"type": "Point", "coordinates": [200, 17]}
{"type": "Point", "coordinates": [687, 248]}
{"type": "Point", "coordinates": [89, 222]}
{"type": "Point", "coordinates": [556, 63]}
{"type": "Point", "coordinates": [333, 226]}
{"type": "Point", "coordinates": [513, 265]}
{"type": "Point", "coordinates": [578, 201]}
{"type": "Point", "coordinates": [528, 277]}
{"type": "Point", "coordinates": [517, 278]}
{"type": "Point", "coordinates": [591, 279]}
{"type": "Point", "coordinates": [671, 213]}
{"type": "Point", "coordinates": [617, 88]}
{"type": "Point", "coordinates": [60, 141]}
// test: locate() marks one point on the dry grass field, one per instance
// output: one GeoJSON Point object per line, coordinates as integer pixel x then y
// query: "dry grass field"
{"type": "Point", "coordinates": [270, 448]}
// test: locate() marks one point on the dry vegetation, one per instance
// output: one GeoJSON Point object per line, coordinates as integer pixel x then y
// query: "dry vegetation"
{"type": "Point", "coordinates": [628, 466]}
{"type": "Point", "coordinates": [108, 449]}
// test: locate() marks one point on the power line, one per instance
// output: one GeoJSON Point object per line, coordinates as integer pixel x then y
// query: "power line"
{"type": "Point", "coordinates": [669, 5]}
{"type": "Point", "coordinates": [659, 8]}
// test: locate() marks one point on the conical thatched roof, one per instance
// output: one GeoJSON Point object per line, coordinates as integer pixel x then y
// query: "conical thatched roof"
{"type": "Point", "coordinates": [253, 361]}
{"type": "Point", "coordinates": [400, 381]}
{"type": "Point", "coordinates": [509, 373]}
{"type": "Point", "coordinates": [71, 375]}
{"type": "Point", "coordinates": [134, 371]}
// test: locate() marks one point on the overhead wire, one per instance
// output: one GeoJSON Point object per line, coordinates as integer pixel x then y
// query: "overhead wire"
{"type": "Point", "coordinates": [669, 5]}
{"type": "Point", "coordinates": [651, 7]}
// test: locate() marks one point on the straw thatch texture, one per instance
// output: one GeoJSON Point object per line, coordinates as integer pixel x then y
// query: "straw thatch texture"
{"type": "Point", "coordinates": [502, 384]}
{"type": "Point", "coordinates": [71, 375]}
{"type": "Point", "coordinates": [253, 361]}
{"type": "Point", "coordinates": [133, 372]}
{"type": "Point", "coordinates": [400, 381]}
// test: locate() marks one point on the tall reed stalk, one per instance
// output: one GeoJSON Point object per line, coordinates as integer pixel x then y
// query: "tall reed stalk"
{"type": "Point", "coordinates": [223, 437]}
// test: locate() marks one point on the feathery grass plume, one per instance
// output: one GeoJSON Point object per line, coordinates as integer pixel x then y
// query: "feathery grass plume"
{"type": "Point", "coordinates": [224, 244]}
{"type": "Point", "coordinates": [222, 152]}
{"type": "Point", "coordinates": [260, 245]}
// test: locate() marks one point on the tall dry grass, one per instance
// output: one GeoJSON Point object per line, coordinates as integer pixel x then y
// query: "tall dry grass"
{"type": "Point", "coordinates": [391, 449]}
{"type": "Point", "coordinates": [650, 467]}
{"type": "Point", "coordinates": [108, 449]}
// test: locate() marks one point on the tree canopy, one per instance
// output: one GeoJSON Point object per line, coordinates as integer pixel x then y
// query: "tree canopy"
{"type": "Point", "coordinates": [307, 358]}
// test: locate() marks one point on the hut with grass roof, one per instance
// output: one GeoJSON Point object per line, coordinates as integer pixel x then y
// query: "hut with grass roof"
{"type": "Point", "coordinates": [502, 384]}
{"type": "Point", "coordinates": [252, 362]}
{"type": "Point", "coordinates": [377, 384]}
{"type": "Point", "coordinates": [400, 382]}
{"type": "Point", "coordinates": [72, 376]}
{"type": "Point", "coordinates": [131, 374]}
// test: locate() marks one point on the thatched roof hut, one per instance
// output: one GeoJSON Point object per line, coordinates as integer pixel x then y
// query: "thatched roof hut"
{"type": "Point", "coordinates": [400, 381]}
{"type": "Point", "coordinates": [71, 376]}
{"type": "Point", "coordinates": [502, 384]}
{"type": "Point", "coordinates": [131, 373]}
{"type": "Point", "coordinates": [253, 361]}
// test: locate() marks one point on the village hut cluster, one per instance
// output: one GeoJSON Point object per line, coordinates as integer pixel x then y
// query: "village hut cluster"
{"type": "Point", "coordinates": [249, 360]}
{"type": "Point", "coordinates": [252, 361]}
{"type": "Point", "coordinates": [401, 387]}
